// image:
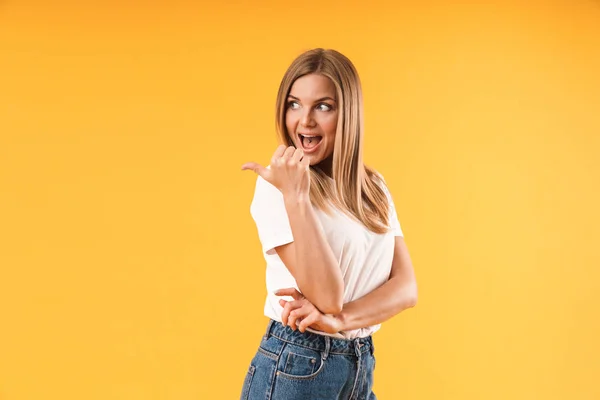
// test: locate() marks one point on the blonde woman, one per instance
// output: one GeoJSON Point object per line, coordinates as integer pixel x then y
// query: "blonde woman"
{"type": "Point", "coordinates": [337, 264]}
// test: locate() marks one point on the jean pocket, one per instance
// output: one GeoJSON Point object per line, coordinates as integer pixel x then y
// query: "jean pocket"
{"type": "Point", "coordinates": [300, 363]}
{"type": "Point", "coordinates": [247, 383]}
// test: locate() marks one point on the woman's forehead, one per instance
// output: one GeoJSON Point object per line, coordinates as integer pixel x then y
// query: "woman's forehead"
{"type": "Point", "coordinates": [313, 87]}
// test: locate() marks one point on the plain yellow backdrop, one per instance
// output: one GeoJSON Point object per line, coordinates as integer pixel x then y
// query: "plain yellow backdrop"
{"type": "Point", "coordinates": [129, 264]}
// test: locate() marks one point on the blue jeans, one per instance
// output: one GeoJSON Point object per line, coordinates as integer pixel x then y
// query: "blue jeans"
{"type": "Point", "coordinates": [292, 365]}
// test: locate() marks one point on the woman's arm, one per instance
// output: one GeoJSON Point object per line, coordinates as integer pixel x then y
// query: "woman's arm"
{"type": "Point", "coordinates": [309, 257]}
{"type": "Point", "coordinates": [394, 296]}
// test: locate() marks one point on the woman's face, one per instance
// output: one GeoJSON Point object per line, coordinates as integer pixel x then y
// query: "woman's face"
{"type": "Point", "coordinates": [311, 118]}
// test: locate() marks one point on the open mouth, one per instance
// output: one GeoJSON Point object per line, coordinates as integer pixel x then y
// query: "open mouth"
{"type": "Point", "coordinates": [309, 142]}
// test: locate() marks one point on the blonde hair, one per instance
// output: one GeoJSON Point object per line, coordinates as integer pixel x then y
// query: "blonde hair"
{"type": "Point", "coordinates": [356, 189]}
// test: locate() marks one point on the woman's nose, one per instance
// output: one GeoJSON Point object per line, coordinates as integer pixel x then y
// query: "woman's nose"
{"type": "Point", "coordinates": [307, 118]}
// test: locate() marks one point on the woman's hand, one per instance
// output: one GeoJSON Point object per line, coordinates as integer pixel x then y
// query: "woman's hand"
{"type": "Point", "coordinates": [289, 171]}
{"type": "Point", "coordinates": [305, 314]}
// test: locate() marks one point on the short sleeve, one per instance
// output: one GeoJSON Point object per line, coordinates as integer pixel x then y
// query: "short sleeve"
{"type": "Point", "coordinates": [269, 214]}
{"type": "Point", "coordinates": [393, 221]}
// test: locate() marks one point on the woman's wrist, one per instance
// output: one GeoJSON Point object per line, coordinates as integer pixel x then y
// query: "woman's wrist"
{"type": "Point", "coordinates": [296, 200]}
{"type": "Point", "coordinates": [342, 317]}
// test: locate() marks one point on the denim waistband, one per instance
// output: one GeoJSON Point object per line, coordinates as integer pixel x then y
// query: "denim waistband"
{"type": "Point", "coordinates": [322, 343]}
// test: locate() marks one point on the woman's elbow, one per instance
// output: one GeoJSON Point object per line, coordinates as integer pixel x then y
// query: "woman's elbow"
{"type": "Point", "coordinates": [332, 307]}
{"type": "Point", "coordinates": [411, 297]}
{"type": "Point", "coordinates": [333, 302]}
{"type": "Point", "coordinates": [412, 301]}
{"type": "Point", "coordinates": [326, 300]}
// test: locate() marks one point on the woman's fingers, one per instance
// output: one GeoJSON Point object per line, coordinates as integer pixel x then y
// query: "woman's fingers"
{"type": "Point", "coordinates": [287, 171]}
{"type": "Point", "coordinates": [289, 152]}
{"type": "Point", "coordinates": [296, 295]}
{"type": "Point", "coordinates": [281, 155]}
{"type": "Point", "coordinates": [297, 157]}
{"type": "Point", "coordinates": [285, 313]}
{"type": "Point", "coordinates": [277, 156]}
{"type": "Point", "coordinates": [279, 151]}
{"type": "Point", "coordinates": [300, 313]}
{"type": "Point", "coordinates": [305, 162]}
{"type": "Point", "coordinates": [288, 307]}
{"type": "Point", "coordinates": [292, 304]}
{"type": "Point", "coordinates": [259, 169]}
{"type": "Point", "coordinates": [292, 320]}
{"type": "Point", "coordinates": [308, 321]}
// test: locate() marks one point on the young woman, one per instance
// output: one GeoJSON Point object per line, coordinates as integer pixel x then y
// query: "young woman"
{"type": "Point", "coordinates": [337, 265]}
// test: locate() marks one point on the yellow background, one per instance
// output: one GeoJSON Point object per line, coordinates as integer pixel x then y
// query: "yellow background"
{"type": "Point", "coordinates": [131, 268]}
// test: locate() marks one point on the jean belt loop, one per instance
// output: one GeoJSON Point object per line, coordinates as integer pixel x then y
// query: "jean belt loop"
{"type": "Point", "coordinates": [357, 347]}
{"type": "Point", "coordinates": [269, 327]}
{"type": "Point", "coordinates": [327, 347]}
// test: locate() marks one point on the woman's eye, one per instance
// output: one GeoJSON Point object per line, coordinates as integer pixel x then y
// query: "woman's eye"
{"type": "Point", "coordinates": [324, 107]}
{"type": "Point", "coordinates": [293, 105]}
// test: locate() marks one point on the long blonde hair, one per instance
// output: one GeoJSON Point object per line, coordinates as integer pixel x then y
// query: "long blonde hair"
{"type": "Point", "coordinates": [356, 189]}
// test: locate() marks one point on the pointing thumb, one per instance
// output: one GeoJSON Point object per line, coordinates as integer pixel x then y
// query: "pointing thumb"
{"type": "Point", "coordinates": [259, 169]}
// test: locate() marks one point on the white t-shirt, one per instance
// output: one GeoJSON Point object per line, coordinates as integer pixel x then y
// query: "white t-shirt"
{"type": "Point", "coordinates": [364, 257]}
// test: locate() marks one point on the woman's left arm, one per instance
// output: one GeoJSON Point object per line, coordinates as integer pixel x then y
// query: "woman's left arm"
{"type": "Point", "coordinates": [394, 296]}
{"type": "Point", "coordinates": [397, 294]}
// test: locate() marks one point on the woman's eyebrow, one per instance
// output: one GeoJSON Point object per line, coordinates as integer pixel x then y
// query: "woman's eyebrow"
{"type": "Point", "coordinates": [321, 99]}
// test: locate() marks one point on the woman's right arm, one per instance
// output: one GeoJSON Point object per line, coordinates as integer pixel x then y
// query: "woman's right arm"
{"type": "Point", "coordinates": [308, 257]}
